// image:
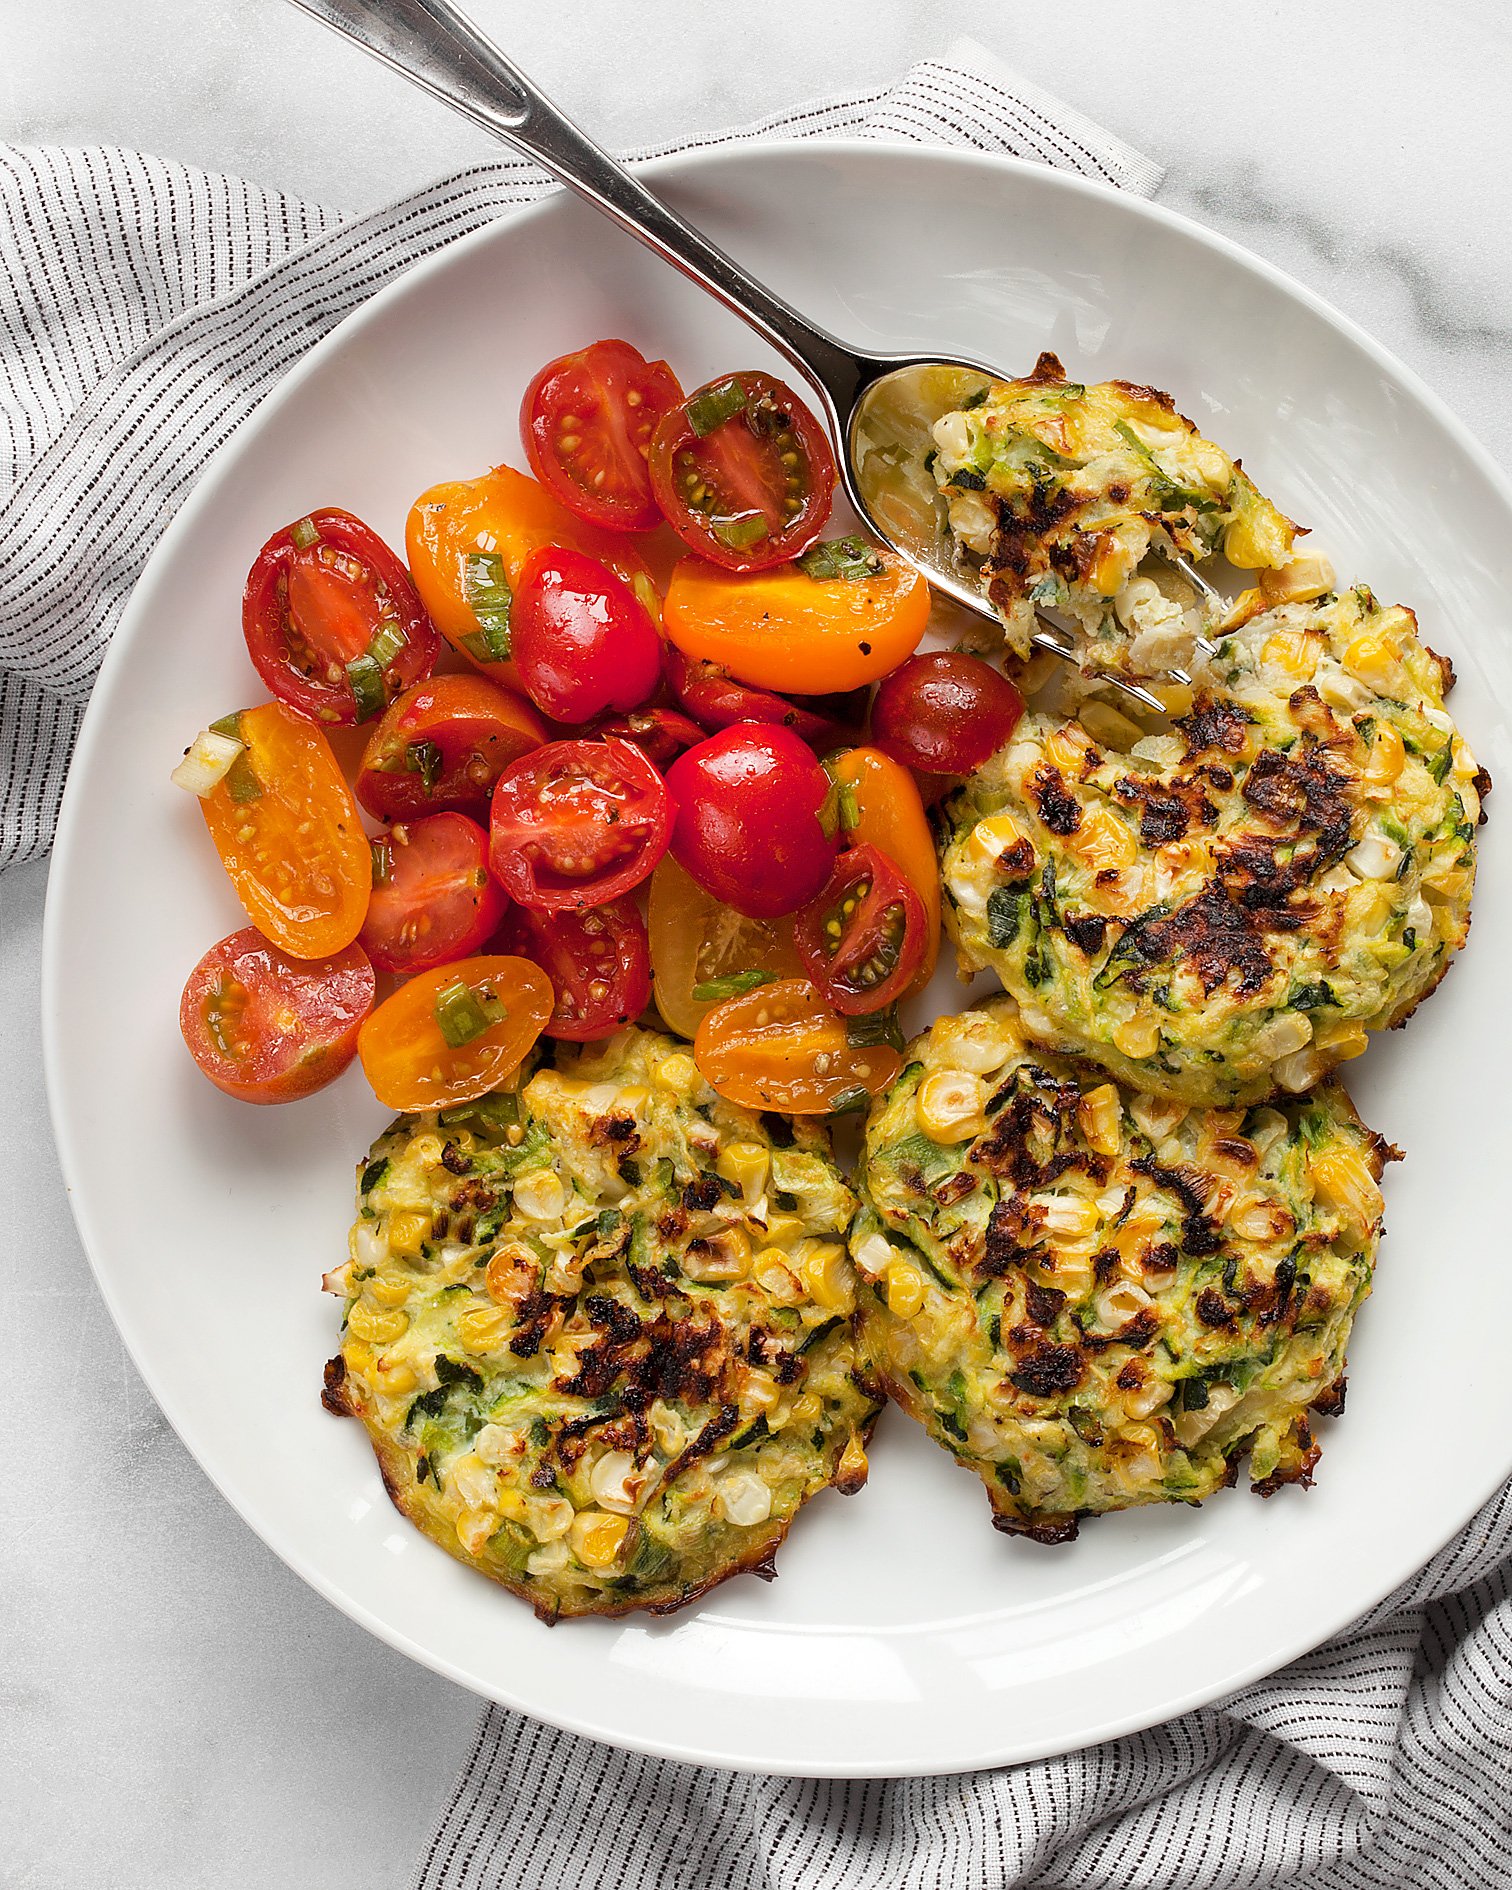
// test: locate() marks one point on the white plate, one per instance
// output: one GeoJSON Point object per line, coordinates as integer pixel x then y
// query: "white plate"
{"type": "Point", "coordinates": [904, 1634]}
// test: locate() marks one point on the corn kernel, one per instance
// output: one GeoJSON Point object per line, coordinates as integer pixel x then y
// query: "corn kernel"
{"type": "Point", "coordinates": [759, 1391]}
{"type": "Point", "coordinates": [1386, 758]}
{"type": "Point", "coordinates": [1372, 660]}
{"type": "Point", "coordinates": [995, 836]}
{"type": "Point", "coordinates": [1101, 1117]}
{"type": "Point", "coordinates": [1260, 536]}
{"type": "Point", "coordinates": [378, 1325]}
{"type": "Point", "coordinates": [389, 1291]}
{"type": "Point", "coordinates": [475, 1527]}
{"type": "Point", "coordinates": [775, 1277]}
{"type": "Point", "coordinates": [784, 1227]}
{"type": "Point", "coordinates": [1066, 748]}
{"type": "Point", "coordinates": [826, 1273]}
{"type": "Point", "coordinates": [905, 1288]}
{"type": "Point", "coordinates": [541, 1196]}
{"type": "Point", "coordinates": [358, 1354]}
{"type": "Point", "coordinates": [407, 1231]}
{"type": "Point", "coordinates": [1103, 840]}
{"type": "Point", "coordinates": [426, 1149]}
{"type": "Point", "coordinates": [1113, 564]}
{"type": "Point", "coordinates": [548, 1518]}
{"type": "Point", "coordinates": [513, 1506]}
{"type": "Point", "coordinates": [679, 1072]}
{"type": "Point", "coordinates": [1342, 1179]}
{"type": "Point", "coordinates": [746, 1164]}
{"type": "Point", "coordinates": [511, 1272]}
{"type": "Point", "coordinates": [807, 1409]}
{"type": "Point", "coordinates": [1298, 582]}
{"type": "Point", "coordinates": [484, 1328]}
{"type": "Point", "coordinates": [1137, 1037]}
{"type": "Point", "coordinates": [1073, 1214]}
{"type": "Point", "coordinates": [395, 1378]}
{"type": "Point", "coordinates": [850, 1472]}
{"type": "Point", "coordinates": [597, 1538]}
{"type": "Point", "coordinates": [1178, 697]}
{"type": "Point", "coordinates": [1293, 653]}
{"type": "Point", "coordinates": [951, 1106]}
{"type": "Point", "coordinates": [1343, 1041]}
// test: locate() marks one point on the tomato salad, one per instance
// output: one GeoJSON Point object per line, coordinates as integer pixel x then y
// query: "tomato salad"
{"type": "Point", "coordinates": [613, 753]}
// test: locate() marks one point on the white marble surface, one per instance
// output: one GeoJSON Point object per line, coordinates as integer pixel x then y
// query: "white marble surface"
{"type": "Point", "coordinates": [177, 1712]}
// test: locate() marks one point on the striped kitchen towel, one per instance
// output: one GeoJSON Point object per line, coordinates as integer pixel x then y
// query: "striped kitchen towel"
{"type": "Point", "coordinates": [145, 309]}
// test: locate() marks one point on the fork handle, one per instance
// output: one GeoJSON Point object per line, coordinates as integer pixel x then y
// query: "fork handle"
{"type": "Point", "coordinates": [439, 49]}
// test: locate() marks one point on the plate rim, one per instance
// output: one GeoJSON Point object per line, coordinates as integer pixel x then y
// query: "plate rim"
{"type": "Point", "coordinates": [73, 1163]}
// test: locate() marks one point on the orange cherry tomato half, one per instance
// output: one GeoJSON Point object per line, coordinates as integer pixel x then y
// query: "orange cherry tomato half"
{"type": "Point", "coordinates": [468, 542]}
{"type": "Point", "coordinates": [267, 1028]}
{"type": "Point", "coordinates": [883, 810]}
{"type": "Point", "coordinates": [286, 828]}
{"type": "Point", "coordinates": [587, 421]}
{"type": "Point", "coordinates": [454, 1033]}
{"type": "Point", "coordinates": [442, 746]}
{"type": "Point", "coordinates": [782, 1047]}
{"type": "Point", "coordinates": [698, 943]}
{"type": "Point", "coordinates": [332, 622]}
{"type": "Point", "coordinates": [785, 630]}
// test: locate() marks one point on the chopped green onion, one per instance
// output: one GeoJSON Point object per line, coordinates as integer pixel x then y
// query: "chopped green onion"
{"type": "Point", "coordinates": [366, 679]}
{"type": "Point", "coordinates": [304, 534]}
{"type": "Point", "coordinates": [383, 862]}
{"type": "Point", "coordinates": [461, 1013]}
{"type": "Point", "coordinates": [242, 783]}
{"type": "Point", "coordinates": [839, 808]}
{"type": "Point", "coordinates": [207, 761]}
{"type": "Point", "coordinates": [749, 529]}
{"type": "Point", "coordinates": [850, 558]}
{"type": "Point", "coordinates": [228, 725]}
{"type": "Point", "coordinates": [735, 985]}
{"type": "Point", "coordinates": [849, 1101]}
{"type": "Point", "coordinates": [975, 400]}
{"type": "Point", "coordinates": [388, 641]}
{"type": "Point", "coordinates": [495, 1113]}
{"type": "Point", "coordinates": [426, 760]}
{"type": "Point", "coordinates": [714, 405]}
{"type": "Point", "coordinates": [876, 1027]}
{"type": "Point", "coordinates": [487, 590]}
{"type": "Point", "coordinates": [968, 479]}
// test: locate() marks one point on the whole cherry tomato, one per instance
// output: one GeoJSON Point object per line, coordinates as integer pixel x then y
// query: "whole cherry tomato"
{"type": "Point", "coordinates": [881, 807]}
{"type": "Point", "coordinates": [944, 712]}
{"type": "Point", "coordinates": [864, 938]}
{"type": "Point", "coordinates": [598, 962]}
{"type": "Point", "coordinates": [748, 819]}
{"type": "Point", "coordinates": [583, 642]}
{"type": "Point", "coordinates": [267, 1028]}
{"type": "Point", "coordinates": [441, 747]}
{"type": "Point", "coordinates": [743, 472]}
{"type": "Point", "coordinates": [452, 1034]}
{"type": "Point", "coordinates": [577, 823]}
{"type": "Point", "coordinates": [433, 899]}
{"type": "Point", "coordinates": [587, 421]}
{"type": "Point", "coordinates": [842, 616]}
{"type": "Point", "coordinates": [284, 823]}
{"type": "Point", "coordinates": [332, 621]}
{"type": "Point", "coordinates": [782, 1047]}
{"type": "Point", "coordinates": [713, 697]}
{"type": "Point", "coordinates": [702, 952]}
{"type": "Point", "coordinates": [660, 734]}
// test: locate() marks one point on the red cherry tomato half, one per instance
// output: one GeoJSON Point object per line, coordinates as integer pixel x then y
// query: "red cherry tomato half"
{"type": "Point", "coordinates": [332, 621]}
{"type": "Point", "coordinates": [660, 734]}
{"type": "Point", "coordinates": [582, 640]}
{"type": "Point", "coordinates": [713, 697]}
{"type": "Point", "coordinates": [433, 900]}
{"type": "Point", "coordinates": [442, 746]}
{"type": "Point", "coordinates": [577, 823]}
{"type": "Point", "coordinates": [743, 472]}
{"type": "Point", "coordinates": [864, 937]}
{"type": "Point", "coordinates": [598, 961]}
{"type": "Point", "coordinates": [587, 421]}
{"type": "Point", "coordinates": [747, 826]}
{"type": "Point", "coordinates": [267, 1028]}
{"type": "Point", "coordinates": [944, 712]}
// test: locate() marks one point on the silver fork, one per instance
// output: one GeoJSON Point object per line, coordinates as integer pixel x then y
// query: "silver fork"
{"type": "Point", "coordinates": [439, 49]}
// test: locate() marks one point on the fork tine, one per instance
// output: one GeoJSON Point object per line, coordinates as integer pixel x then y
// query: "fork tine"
{"type": "Point", "coordinates": [1049, 639]}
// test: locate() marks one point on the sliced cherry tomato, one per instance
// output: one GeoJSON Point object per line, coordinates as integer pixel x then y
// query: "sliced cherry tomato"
{"type": "Point", "coordinates": [598, 961]}
{"type": "Point", "coordinates": [583, 642]}
{"type": "Point", "coordinates": [433, 899]}
{"type": "Point", "coordinates": [441, 747]}
{"type": "Point", "coordinates": [712, 696]}
{"type": "Point", "coordinates": [743, 472]}
{"type": "Point", "coordinates": [883, 809]}
{"type": "Point", "coordinates": [587, 421]}
{"type": "Point", "coordinates": [660, 734]}
{"type": "Point", "coordinates": [578, 823]}
{"type": "Point", "coordinates": [267, 1028]}
{"type": "Point", "coordinates": [786, 630]}
{"type": "Point", "coordinates": [748, 826]}
{"type": "Point", "coordinates": [699, 944]}
{"type": "Point", "coordinates": [863, 939]}
{"type": "Point", "coordinates": [944, 712]}
{"type": "Point", "coordinates": [782, 1047]}
{"type": "Point", "coordinates": [454, 1033]}
{"type": "Point", "coordinates": [332, 621]}
{"type": "Point", "coordinates": [284, 823]}
{"type": "Point", "coordinates": [468, 542]}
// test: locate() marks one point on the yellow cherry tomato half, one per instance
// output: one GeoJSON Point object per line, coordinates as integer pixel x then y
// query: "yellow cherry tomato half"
{"type": "Point", "coordinates": [782, 1047]}
{"type": "Point", "coordinates": [782, 629]}
{"type": "Point", "coordinates": [454, 1033]}
{"type": "Point", "coordinates": [700, 943]}
{"type": "Point", "coordinates": [883, 810]}
{"type": "Point", "coordinates": [467, 543]}
{"type": "Point", "coordinates": [285, 825]}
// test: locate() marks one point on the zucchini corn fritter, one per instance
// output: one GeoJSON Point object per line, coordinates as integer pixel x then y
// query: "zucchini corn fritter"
{"type": "Point", "coordinates": [1228, 909]}
{"type": "Point", "coordinates": [599, 1330]}
{"type": "Point", "coordinates": [1060, 490]}
{"type": "Point", "coordinates": [1095, 1299]}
